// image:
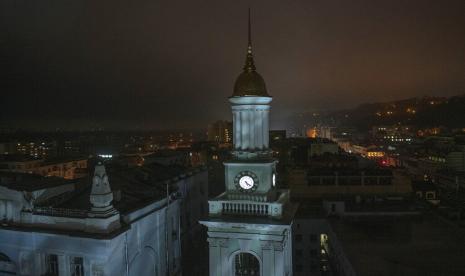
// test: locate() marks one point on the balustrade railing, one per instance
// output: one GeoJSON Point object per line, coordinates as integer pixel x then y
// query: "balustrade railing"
{"type": "Point", "coordinates": [245, 208]}
{"type": "Point", "coordinates": [60, 212]}
{"type": "Point", "coordinates": [223, 205]}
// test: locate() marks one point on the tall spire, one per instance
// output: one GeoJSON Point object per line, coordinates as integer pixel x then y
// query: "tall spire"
{"type": "Point", "coordinates": [249, 48]}
{"type": "Point", "coordinates": [249, 64]}
{"type": "Point", "coordinates": [249, 82]}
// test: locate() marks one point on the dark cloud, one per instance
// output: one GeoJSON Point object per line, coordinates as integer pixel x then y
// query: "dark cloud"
{"type": "Point", "coordinates": [164, 64]}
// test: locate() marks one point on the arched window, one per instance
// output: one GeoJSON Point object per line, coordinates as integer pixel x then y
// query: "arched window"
{"type": "Point", "coordinates": [246, 264]}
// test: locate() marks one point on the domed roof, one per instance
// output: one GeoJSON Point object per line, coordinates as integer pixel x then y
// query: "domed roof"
{"type": "Point", "coordinates": [249, 82]}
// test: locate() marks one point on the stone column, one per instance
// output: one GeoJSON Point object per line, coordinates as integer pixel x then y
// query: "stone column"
{"type": "Point", "coordinates": [214, 258]}
{"type": "Point", "coordinates": [267, 258]}
{"type": "Point", "coordinates": [234, 129]}
{"type": "Point", "coordinates": [251, 128]}
{"type": "Point", "coordinates": [237, 129]}
{"type": "Point", "coordinates": [279, 258]}
{"type": "Point", "coordinates": [259, 129]}
{"type": "Point", "coordinates": [63, 265]}
{"type": "Point", "coordinates": [244, 130]}
{"type": "Point", "coordinates": [266, 129]}
{"type": "Point", "coordinates": [225, 266]}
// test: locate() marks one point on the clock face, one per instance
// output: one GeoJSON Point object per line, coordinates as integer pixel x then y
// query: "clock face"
{"type": "Point", "coordinates": [246, 181]}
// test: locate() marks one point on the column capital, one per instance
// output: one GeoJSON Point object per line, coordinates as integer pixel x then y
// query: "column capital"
{"type": "Point", "coordinates": [266, 245]}
{"type": "Point", "coordinates": [278, 246]}
{"type": "Point", "coordinates": [215, 242]}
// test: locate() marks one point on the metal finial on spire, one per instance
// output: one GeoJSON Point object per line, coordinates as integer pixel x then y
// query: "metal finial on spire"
{"type": "Point", "coordinates": [249, 82]}
{"type": "Point", "coordinates": [249, 64]}
{"type": "Point", "coordinates": [249, 48]}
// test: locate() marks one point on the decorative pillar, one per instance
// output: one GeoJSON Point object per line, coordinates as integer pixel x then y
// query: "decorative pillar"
{"type": "Point", "coordinates": [237, 129]}
{"type": "Point", "coordinates": [251, 129]}
{"type": "Point", "coordinates": [214, 258]}
{"type": "Point", "coordinates": [266, 129]}
{"type": "Point", "coordinates": [278, 258]}
{"type": "Point", "coordinates": [244, 130]}
{"type": "Point", "coordinates": [267, 267]}
{"type": "Point", "coordinates": [258, 129]}
{"type": "Point", "coordinates": [224, 257]}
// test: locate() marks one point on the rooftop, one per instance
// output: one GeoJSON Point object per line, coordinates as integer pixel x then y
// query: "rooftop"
{"type": "Point", "coordinates": [30, 182]}
{"type": "Point", "coordinates": [136, 187]}
{"type": "Point", "coordinates": [425, 246]}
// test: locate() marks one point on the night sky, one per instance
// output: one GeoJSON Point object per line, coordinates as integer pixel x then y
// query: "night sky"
{"type": "Point", "coordinates": [172, 64]}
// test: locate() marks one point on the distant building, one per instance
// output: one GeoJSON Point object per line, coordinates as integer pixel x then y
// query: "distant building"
{"type": "Point", "coordinates": [395, 242]}
{"type": "Point", "coordinates": [455, 160]}
{"type": "Point", "coordinates": [334, 182]}
{"type": "Point", "coordinates": [299, 151]}
{"type": "Point", "coordinates": [326, 132]}
{"type": "Point", "coordinates": [425, 190]}
{"type": "Point", "coordinates": [318, 239]}
{"type": "Point", "coordinates": [68, 168]}
{"type": "Point", "coordinates": [167, 157]}
{"type": "Point", "coordinates": [220, 132]}
{"type": "Point", "coordinates": [277, 135]}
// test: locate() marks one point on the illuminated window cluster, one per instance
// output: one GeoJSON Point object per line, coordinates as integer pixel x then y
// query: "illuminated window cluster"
{"type": "Point", "coordinates": [437, 159]}
{"type": "Point", "coordinates": [375, 154]}
{"type": "Point", "coordinates": [397, 139]}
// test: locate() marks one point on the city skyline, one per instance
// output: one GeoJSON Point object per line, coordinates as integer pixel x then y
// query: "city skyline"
{"type": "Point", "coordinates": [153, 65]}
{"type": "Point", "coordinates": [132, 159]}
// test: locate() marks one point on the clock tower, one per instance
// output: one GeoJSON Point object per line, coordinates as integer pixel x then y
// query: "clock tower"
{"type": "Point", "coordinates": [249, 225]}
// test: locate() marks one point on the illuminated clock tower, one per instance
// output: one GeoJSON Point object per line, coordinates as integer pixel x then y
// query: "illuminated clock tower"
{"type": "Point", "coordinates": [249, 225]}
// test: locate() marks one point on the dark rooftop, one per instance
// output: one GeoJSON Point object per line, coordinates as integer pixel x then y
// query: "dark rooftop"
{"type": "Point", "coordinates": [427, 246]}
{"type": "Point", "coordinates": [138, 186]}
{"type": "Point", "coordinates": [30, 182]}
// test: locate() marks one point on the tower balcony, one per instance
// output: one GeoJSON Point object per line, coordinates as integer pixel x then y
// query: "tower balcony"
{"type": "Point", "coordinates": [222, 206]}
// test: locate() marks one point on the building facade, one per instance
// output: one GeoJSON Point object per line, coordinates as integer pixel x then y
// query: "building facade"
{"type": "Point", "coordinates": [250, 224]}
{"type": "Point", "coordinates": [220, 132]}
{"type": "Point", "coordinates": [52, 226]}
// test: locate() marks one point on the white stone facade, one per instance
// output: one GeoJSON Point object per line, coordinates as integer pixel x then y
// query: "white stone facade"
{"type": "Point", "coordinates": [138, 249]}
{"type": "Point", "coordinates": [270, 244]}
{"type": "Point", "coordinates": [250, 123]}
{"type": "Point", "coordinates": [143, 240]}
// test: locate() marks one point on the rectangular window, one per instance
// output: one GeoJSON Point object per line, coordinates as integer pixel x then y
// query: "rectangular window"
{"type": "Point", "coordinates": [97, 270]}
{"type": "Point", "coordinates": [313, 253]}
{"type": "Point", "coordinates": [298, 237]}
{"type": "Point", "coordinates": [77, 266]}
{"type": "Point", "coordinates": [313, 237]}
{"type": "Point", "coordinates": [51, 264]}
{"type": "Point", "coordinates": [385, 181]}
{"type": "Point", "coordinates": [329, 180]}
